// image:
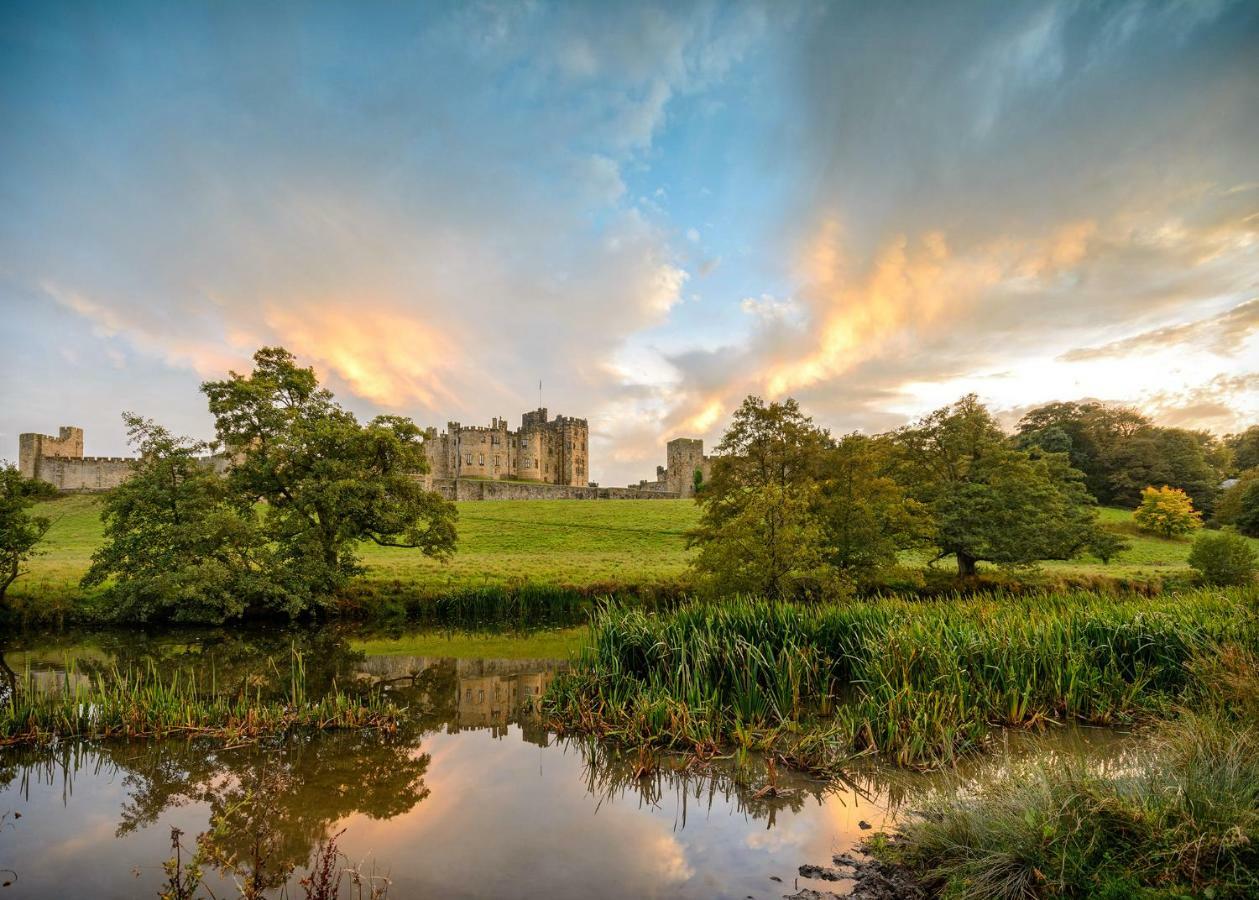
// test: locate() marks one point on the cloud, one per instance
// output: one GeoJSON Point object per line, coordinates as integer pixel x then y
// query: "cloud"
{"type": "Point", "coordinates": [438, 207]}
{"type": "Point", "coordinates": [1224, 334]}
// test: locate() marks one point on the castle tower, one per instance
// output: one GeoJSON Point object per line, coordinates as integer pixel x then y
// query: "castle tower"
{"type": "Point", "coordinates": [684, 457]}
{"type": "Point", "coordinates": [33, 447]}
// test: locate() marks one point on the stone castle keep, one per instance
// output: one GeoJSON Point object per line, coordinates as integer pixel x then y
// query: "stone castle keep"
{"type": "Point", "coordinates": [551, 452]}
{"type": "Point", "coordinates": [542, 459]}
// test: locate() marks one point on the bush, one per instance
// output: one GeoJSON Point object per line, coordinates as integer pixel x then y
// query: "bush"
{"type": "Point", "coordinates": [1223, 557]}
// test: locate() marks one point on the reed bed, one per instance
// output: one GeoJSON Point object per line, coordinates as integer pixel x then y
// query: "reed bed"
{"type": "Point", "coordinates": [145, 702]}
{"type": "Point", "coordinates": [1181, 819]}
{"type": "Point", "coordinates": [920, 682]}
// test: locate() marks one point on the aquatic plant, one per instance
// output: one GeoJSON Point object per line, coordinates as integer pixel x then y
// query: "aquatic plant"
{"type": "Point", "coordinates": [1182, 819]}
{"type": "Point", "coordinates": [144, 702]}
{"type": "Point", "coordinates": [919, 682]}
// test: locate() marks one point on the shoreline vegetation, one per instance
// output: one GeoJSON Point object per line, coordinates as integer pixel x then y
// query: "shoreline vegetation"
{"type": "Point", "coordinates": [518, 558]}
{"type": "Point", "coordinates": [1181, 819]}
{"type": "Point", "coordinates": [920, 683]}
{"type": "Point", "coordinates": [141, 702]}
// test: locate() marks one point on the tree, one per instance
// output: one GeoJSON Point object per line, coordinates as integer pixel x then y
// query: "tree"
{"type": "Point", "coordinates": [1166, 511]}
{"type": "Point", "coordinates": [1094, 434]}
{"type": "Point", "coordinates": [1245, 447]}
{"type": "Point", "coordinates": [990, 501]}
{"type": "Point", "coordinates": [758, 530]}
{"type": "Point", "coordinates": [328, 481]}
{"type": "Point", "coordinates": [20, 532]}
{"type": "Point", "coordinates": [177, 544]}
{"type": "Point", "coordinates": [1106, 545]}
{"type": "Point", "coordinates": [1224, 558]}
{"type": "Point", "coordinates": [865, 516]}
{"type": "Point", "coordinates": [1167, 456]}
{"type": "Point", "coordinates": [1239, 506]}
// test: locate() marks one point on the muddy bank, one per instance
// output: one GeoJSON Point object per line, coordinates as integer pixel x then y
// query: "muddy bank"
{"type": "Point", "coordinates": [870, 879]}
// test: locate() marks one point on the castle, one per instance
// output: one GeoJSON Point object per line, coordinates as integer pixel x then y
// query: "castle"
{"type": "Point", "coordinates": [550, 452]}
{"type": "Point", "coordinates": [60, 461]}
{"type": "Point", "coordinates": [544, 459]}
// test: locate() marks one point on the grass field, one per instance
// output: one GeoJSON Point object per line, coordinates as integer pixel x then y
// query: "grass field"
{"type": "Point", "coordinates": [561, 543]}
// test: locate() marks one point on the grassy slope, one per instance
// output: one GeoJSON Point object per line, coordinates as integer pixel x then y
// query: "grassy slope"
{"type": "Point", "coordinates": [557, 542]}
{"type": "Point", "coordinates": [560, 542]}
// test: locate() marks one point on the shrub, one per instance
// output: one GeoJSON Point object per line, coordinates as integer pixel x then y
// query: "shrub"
{"type": "Point", "coordinates": [1223, 557]}
{"type": "Point", "coordinates": [1166, 511]}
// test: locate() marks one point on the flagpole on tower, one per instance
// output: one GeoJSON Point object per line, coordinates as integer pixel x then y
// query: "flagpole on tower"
{"type": "Point", "coordinates": [539, 393]}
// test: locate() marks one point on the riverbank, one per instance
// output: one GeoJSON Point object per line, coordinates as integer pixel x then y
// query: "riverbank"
{"type": "Point", "coordinates": [515, 554]}
{"type": "Point", "coordinates": [1178, 819]}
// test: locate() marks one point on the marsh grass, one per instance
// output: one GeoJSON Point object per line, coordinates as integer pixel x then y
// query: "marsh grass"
{"type": "Point", "coordinates": [144, 702]}
{"type": "Point", "coordinates": [1181, 819]}
{"type": "Point", "coordinates": [920, 683]}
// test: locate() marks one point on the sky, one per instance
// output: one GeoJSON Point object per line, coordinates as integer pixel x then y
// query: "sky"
{"type": "Point", "coordinates": [652, 209]}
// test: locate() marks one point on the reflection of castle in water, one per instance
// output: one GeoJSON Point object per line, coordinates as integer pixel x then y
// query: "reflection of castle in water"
{"type": "Point", "coordinates": [471, 693]}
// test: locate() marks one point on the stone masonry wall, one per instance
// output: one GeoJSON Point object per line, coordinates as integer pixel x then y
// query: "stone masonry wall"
{"type": "Point", "coordinates": [486, 489]}
{"type": "Point", "coordinates": [34, 447]}
{"type": "Point", "coordinates": [60, 462]}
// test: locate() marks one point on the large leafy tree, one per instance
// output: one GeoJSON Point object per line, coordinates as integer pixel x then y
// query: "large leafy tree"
{"type": "Point", "coordinates": [1240, 504]}
{"type": "Point", "coordinates": [1245, 448]}
{"type": "Point", "coordinates": [20, 532]}
{"type": "Point", "coordinates": [178, 545]}
{"type": "Point", "coordinates": [758, 531]}
{"type": "Point", "coordinates": [864, 514]}
{"type": "Point", "coordinates": [1167, 456]}
{"type": "Point", "coordinates": [1090, 433]}
{"type": "Point", "coordinates": [990, 501]}
{"type": "Point", "coordinates": [329, 482]}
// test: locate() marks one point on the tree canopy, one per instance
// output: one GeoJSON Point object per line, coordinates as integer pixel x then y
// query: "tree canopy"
{"type": "Point", "coordinates": [178, 544]}
{"type": "Point", "coordinates": [328, 481]}
{"type": "Point", "coordinates": [990, 501]}
{"type": "Point", "coordinates": [758, 533]}
{"type": "Point", "coordinates": [20, 532]}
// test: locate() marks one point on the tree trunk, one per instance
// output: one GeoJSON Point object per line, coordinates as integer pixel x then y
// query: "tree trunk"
{"type": "Point", "coordinates": [966, 565]}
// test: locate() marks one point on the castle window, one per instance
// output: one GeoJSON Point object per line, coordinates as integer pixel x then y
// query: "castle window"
{"type": "Point", "coordinates": [496, 463]}
{"type": "Point", "coordinates": [468, 460]}
{"type": "Point", "coordinates": [481, 459]}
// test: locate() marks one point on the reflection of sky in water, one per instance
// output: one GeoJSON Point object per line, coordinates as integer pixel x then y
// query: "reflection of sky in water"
{"type": "Point", "coordinates": [492, 805]}
{"type": "Point", "coordinates": [505, 817]}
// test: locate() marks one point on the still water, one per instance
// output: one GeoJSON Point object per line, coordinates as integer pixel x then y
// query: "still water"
{"type": "Point", "coordinates": [472, 797]}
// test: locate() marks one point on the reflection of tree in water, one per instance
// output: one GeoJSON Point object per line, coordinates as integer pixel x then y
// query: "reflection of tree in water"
{"type": "Point", "coordinates": [612, 774]}
{"type": "Point", "coordinates": [295, 790]}
{"type": "Point", "coordinates": [287, 794]}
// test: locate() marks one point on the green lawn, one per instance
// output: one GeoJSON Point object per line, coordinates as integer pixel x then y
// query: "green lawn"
{"type": "Point", "coordinates": [558, 542]}
{"type": "Point", "coordinates": [568, 543]}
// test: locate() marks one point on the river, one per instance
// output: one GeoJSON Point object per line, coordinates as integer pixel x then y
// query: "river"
{"type": "Point", "coordinates": [470, 797]}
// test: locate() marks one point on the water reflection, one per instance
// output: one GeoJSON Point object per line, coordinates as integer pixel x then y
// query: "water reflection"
{"type": "Point", "coordinates": [471, 797]}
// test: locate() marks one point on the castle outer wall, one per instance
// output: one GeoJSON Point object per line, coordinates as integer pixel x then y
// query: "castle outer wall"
{"type": "Point", "coordinates": [489, 489]}
{"type": "Point", "coordinates": [60, 462]}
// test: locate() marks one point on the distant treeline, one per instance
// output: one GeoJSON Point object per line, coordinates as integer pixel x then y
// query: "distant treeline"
{"type": "Point", "coordinates": [1121, 452]}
